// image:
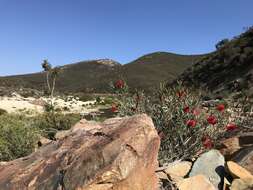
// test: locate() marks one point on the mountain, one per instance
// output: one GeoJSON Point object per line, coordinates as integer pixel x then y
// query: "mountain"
{"type": "Point", "coordinates": [229, 69]}
{"type": "Point", "coordinates": [94, 76]}
{"type": "Point", "coordinates": [149, 70]}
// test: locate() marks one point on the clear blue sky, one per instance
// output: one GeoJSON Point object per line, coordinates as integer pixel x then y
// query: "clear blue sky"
{"type": "Point", "coordinates": [66, 31]}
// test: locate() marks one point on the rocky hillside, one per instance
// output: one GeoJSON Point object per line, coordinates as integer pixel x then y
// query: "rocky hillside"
{"type": "Point", "coordinates": [229, 69]}
{"type": "Point", "coordinates": [95, 76]}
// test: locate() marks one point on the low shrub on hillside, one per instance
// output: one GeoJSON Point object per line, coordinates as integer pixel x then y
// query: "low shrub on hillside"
{"type": "Point", "coordinates": [18, 137]}
{"type": "Point", "coordinates": [20, 134]}
{"type": "Point", "coordinates": [2, 111]}
{"type": "Point", "coordinates": [183, 123]}
{"type": "Point", "coordinates": [50, 123]}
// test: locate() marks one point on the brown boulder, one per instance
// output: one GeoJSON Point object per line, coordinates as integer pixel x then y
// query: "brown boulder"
{"type": "Point", "coordinates": [232, 147]}
{"type": "Point", "coordinates": [242, 184]}
{"type": "Point", "coordinates": [237, 171]}
{"type": "Point", "coordinates": [239, 149]}
{"type": "Point", "coordinates": [120, 155]}
{"type": "Point", "coordinates": [197, 182]}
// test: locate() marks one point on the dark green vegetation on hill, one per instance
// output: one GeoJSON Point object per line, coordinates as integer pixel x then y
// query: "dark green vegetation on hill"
{"type": "Point", "coordinates": [227, 70]}
{"type": "Point", "coordinates": [149, 70]}
{"type": "Point", "coordinates": [94, 76]}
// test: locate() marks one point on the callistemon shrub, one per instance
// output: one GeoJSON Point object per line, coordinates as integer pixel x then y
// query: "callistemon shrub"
{"type": "Point", "coordinates": [184, 125]}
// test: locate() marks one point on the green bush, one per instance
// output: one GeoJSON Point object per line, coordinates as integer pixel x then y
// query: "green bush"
{"type": "Point", "coordinates": [2, 111]}
{"type": "Point", "coordinates": [50, 123]}
{"type": "Point", "coordinates": [86, 97]}
{"type": "Point", "coordinates": [221, 43]}
{"type": "Point", "coordinates": [18, 137]}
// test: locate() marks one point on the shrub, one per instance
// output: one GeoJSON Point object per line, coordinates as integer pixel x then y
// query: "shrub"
{"type": "Point", "coordinates": [50, 123]}
{"type": "Point", "coordinates": [17, 137]}
{"type": "Point", "coordinates": [221, 43]}
{"type": "Point", "coordinates": [86, 97]}
{"type": "Point", "coordinates": [2, 111]}
{"type": "Point", "coordinates": [184, 125]}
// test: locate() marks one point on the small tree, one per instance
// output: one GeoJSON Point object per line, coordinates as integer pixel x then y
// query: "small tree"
{"type": "Point", "coordinates": [51, 73]}
{"type": "Point", "coordinates": [221, 43]}
{"type": "Point", "coordinates": [47, 68]}
{"type": "Point", "coordinates": [54, 73]}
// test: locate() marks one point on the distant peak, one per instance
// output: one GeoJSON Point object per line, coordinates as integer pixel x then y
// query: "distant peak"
{"type": "Point", "coordinates": [108, 62]}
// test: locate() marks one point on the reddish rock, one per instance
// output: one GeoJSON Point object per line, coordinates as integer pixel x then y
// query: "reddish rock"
{"type": "Point", "coordinates": [239, 149]}
{"type": "Point", "coordinates": [120, 155]}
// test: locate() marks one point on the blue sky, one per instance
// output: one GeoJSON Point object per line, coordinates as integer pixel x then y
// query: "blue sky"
{"type": "Point", "coordinates": [66, 31]}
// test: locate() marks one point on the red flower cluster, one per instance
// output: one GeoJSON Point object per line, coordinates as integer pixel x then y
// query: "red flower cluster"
{"type": "Point", "coordinates": [161, 134]}
{"type": "Point", "coordinates": [191, 123]}
{"type": "Point", "coordinates": [220, 107]}
{"type": "Point", "coordinates": [196, 111]}
{"type": "Point", "coordinates": [119, 84]}
{"type": "Point", "coordinates": [186, 109]}
{"type": "Point", "coordinates": [231, 127]}
{"type": "Point", "coordinates": [212, 120]}
{"type": "Point", "coordinates": [180, 94]}
{"type": "Point", "coordinates": [114, 108]}
{"type": "Point", "coordinates": [207, 142]}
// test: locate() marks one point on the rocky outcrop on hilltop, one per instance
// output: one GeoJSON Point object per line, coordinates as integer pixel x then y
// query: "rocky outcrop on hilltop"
{"type": "Point", "coordinates": [120, 153]}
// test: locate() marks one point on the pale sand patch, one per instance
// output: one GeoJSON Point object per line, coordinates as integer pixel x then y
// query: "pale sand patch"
{"type": "Point", "coordinates": [17, 104]}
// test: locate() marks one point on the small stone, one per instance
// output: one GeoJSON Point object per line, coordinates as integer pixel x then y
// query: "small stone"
{"type": "Point", "coordinates": [178, 168]}
{"type": "Point", "coordinates": [226, 184]}
{"type": "Point", "coordinates": [162, 175]}
{"type": "Point", "coordinates": [230, 146]}
{"type": "Point", "coordinates": [211, 165]}
{"type": "Point", "coordinates": [242, 184]}
{"type": "Point", "coordinates": [43, 141]}
{"type": "Point", "coordinates": [238, 171]}
{"type": "Point", "coordinates": [197, 182]}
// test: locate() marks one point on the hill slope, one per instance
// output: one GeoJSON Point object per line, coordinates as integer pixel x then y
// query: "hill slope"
{"type": "Point", "coordinates": [95, 76]}
{"type": "Point", "coordinates": [148, 70]}
{"type": "Point", "coordinates": [229, 69]}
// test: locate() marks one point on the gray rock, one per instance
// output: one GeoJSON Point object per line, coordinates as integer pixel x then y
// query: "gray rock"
{"type": "Point", "coordinates": [211, 165]}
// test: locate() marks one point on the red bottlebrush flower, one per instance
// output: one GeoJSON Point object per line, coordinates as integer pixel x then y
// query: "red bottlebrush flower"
{"type": "Point", "coordinates": [220, 107]}
{"type": "Point", "coordinates": [161, 134]}
{"type": "Point", "coordinates": [207, 142]}
{"type": "Point", "coordinates": [231, 127]}
{"type": "Point", "coordinates": [119, 84]}
{"type": "Point", "coordinates": [114, 108]}
{"type": "Point", "coordinates": [191, 123]}
{"type": "Point", "coordinates": [196, 111]}
{"type": "Point", "coordinates": [180, 94]}
{"type": "Point", "coordinates": [212, 120]}
{"type": "Point", "coordinates": [186, 109]}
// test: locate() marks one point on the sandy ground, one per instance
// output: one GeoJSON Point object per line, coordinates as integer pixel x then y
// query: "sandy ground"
{"type": "Point", "coordinates": [17, 104]}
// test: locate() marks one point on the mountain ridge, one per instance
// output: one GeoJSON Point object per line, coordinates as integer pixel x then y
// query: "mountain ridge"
{"type": "Point", "coordinates": [144, 72]}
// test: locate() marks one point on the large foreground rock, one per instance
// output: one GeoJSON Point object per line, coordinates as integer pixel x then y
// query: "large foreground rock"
{"type": "Point", "coordinates": [118, 154]}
